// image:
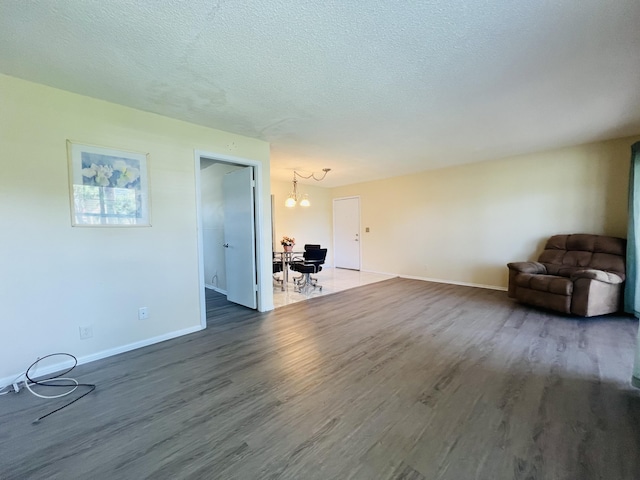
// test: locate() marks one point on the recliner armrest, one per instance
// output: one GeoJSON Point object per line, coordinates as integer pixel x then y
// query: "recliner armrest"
{"type": "Point", "coordinates": [600, 275]}
{"type": "Point", "coordinates": [527, 267]}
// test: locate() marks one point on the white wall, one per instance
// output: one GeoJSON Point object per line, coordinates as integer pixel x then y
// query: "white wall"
{"type": "Point", "coordinates": [464, 224]}
{"type": "Point", "coordinates": [55, 277]}
{"type": "Point", "coordinates": [311, 224]}
{"type": "Point", "coordinates": [213, 224]}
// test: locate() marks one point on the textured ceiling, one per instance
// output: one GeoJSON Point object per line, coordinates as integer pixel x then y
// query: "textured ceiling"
{"type": "Point", "coordinates": [371, 89]}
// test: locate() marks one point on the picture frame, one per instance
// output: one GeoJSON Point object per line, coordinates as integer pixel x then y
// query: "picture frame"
{"type": "Point", "coordinates": [108, 187]}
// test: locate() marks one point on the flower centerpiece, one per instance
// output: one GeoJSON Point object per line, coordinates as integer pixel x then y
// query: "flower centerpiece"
{"type": "Point", "coordinates": [288, 243]}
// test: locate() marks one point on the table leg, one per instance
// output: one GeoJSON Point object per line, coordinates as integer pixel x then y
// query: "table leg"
{"type": "Point", "coordinates": [285, 275]}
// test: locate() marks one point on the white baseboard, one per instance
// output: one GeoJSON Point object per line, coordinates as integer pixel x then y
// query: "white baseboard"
{"type": "Point", "coordinates": [451, 282]}
{"type": "Point", "coordinates": [211, 287]}
{"type": "Point", "coordinates": [56, 367]}
{"type": "Point", "coordinates": [439, 280]}
{"type": "Point", "coordinates": [380, 273]}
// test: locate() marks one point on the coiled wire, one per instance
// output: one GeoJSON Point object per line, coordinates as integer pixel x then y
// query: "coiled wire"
{"type": "Point", "coordinates": [58, 381]}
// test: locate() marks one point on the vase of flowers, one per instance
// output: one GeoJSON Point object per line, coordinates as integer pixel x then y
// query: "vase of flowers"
{"type": "Point", "coordinates": [288, 243]}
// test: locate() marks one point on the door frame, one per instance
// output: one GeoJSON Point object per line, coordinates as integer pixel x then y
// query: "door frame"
{"type": "Point", "coordinates": [265, 296]}
{"type": "Point", "coordinates": [359, 228]}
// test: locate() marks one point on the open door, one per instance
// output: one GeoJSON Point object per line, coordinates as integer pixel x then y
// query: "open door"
{"type": "Point", "coordinates": [239, 237]}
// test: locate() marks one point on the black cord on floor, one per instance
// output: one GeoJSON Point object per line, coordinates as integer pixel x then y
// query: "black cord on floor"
{"type": "Point", "coordinates": [56, 378]}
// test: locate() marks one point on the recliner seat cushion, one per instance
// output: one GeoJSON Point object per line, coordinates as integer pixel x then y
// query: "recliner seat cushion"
{"type": "Point", "coordinates": [561, 270]}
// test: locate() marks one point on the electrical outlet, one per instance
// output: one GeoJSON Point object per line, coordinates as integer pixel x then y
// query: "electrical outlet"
{"type": "Point", "coordinates": [143, 313]}
{"type": "Point", "coordinates": [86, 331]}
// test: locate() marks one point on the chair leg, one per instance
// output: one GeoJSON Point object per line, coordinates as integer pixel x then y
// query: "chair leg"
{"type": "Point", "coordinates": [300, 282]}
{"type": "Point", "coordinates": [307, 283]}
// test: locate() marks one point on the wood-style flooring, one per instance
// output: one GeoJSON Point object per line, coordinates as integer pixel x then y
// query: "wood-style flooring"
{"type": "Point", "coordinates": [400, 379]}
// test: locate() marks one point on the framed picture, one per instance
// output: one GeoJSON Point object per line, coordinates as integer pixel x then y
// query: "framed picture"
{"type": "Point", "coordinates": [109, 188]}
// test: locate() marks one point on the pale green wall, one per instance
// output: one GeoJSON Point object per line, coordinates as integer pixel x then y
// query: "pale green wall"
{"type": "Point", "coordinates": [54, 277]}
{"type": "Point", "coordinates": [463, 224]}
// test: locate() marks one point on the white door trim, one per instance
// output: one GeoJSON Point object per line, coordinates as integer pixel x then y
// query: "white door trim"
{"type": "Point", "coordinates": [359, 226]}
{"type": "Point", "coordinates": [265, 301]}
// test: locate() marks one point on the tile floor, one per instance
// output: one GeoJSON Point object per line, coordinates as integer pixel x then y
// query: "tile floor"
{"type": "Point", "coordinates": [332, 280]}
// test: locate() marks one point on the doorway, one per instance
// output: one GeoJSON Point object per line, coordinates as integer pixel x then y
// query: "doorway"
{"type": "Point", "coordinates": [240, 237]}
{"type": "Point", "coordinates": [212, 171]}
{"type": "Point", "coordinates": [346, 232]}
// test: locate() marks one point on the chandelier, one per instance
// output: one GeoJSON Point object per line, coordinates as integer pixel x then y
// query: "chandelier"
{"type": "Point", "coordinates": [293, 198]}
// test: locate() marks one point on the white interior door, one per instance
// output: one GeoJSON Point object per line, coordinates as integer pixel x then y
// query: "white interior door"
{"type": "Point", "coordinates": [346, 233]}
{"type": "Point", "coordinates": [239, 237]}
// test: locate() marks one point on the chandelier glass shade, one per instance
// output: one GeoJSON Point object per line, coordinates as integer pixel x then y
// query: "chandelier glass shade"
{"type": "Point", "coordinates": [290, 201]}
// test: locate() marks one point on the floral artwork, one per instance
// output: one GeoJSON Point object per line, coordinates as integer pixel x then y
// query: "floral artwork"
{"type": "Point", "coordinates": [109, 187]}
{"type": "Point", "coordinates": [105, 171]}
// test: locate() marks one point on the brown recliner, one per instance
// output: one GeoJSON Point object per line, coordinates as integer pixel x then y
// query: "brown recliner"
{"type": "Point", "coordinates": [579, 274]}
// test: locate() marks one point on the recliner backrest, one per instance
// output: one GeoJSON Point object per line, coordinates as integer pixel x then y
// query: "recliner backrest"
{"type": "Point", "coordinates": [564, 254]}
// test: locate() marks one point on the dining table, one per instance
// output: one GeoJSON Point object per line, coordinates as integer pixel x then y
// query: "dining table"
{"type": "Point", "coordinates": [286, 257]}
